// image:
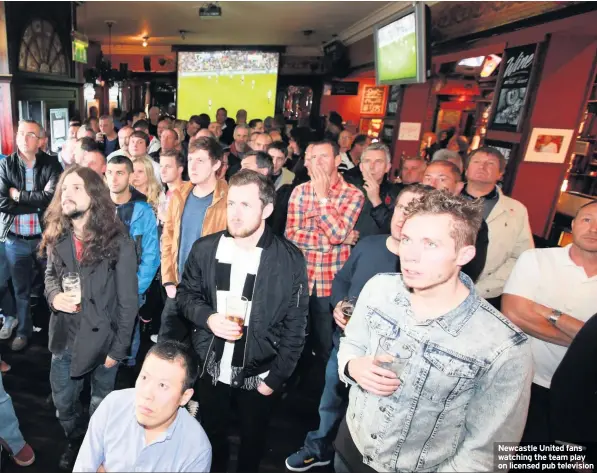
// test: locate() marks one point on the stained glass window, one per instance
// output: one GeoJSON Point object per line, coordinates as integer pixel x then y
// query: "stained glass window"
{"type": "Point", "coordinates": [41, 50]}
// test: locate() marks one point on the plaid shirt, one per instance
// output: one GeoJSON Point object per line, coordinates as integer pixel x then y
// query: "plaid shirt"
{"type": "Point", "coordinates": [27, 224]}
{"type": "Point", "coordinates": [320, 230]}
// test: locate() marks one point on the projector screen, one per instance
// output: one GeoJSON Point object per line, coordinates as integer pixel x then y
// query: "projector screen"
{"type": "Point", "coordinates": [231, 79]}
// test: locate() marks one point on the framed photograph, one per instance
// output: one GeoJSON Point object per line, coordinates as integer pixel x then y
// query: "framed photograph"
{"type": "Point", "coordinates": [548, 145]}
{"type": "Point", "coordinates": [510, 152]}
{"type": "Point", "coordinates": [373, 103]}
{"type": "Point", "coordinates": [394, 97]}
{"type": "Point", "coordinates": [516, 80]}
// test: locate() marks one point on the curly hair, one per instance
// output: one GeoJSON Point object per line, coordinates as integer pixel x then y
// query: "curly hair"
{"type": "Point", "coordinates": [467, 215]}
{"type": "Point", "coordinates": [103, 227]}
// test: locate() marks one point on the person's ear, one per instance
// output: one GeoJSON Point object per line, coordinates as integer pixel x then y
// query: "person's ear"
{"type": "Point", "coordinates": [186, 397]}
{"type": "Point", "coordinates": [216, 165]}
{"type": "Point", "coordinates": [338, 160]}
{"type": "Point", "coordinates": [465, 255]}
{"type": "Point", "coordinates": [267, 211]}
{"type": "Point", "coordinates": [459, 187]}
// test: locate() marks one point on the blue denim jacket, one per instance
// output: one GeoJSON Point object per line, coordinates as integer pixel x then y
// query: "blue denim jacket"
{"type": "Point", "coordinates": [465, 386]}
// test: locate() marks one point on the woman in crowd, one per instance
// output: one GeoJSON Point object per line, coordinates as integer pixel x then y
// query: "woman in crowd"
{"type": "Point", "coordinates": [143, 179]}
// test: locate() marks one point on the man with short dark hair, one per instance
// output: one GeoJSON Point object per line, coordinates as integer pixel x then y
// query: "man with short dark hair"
{"type": "Point", "coordinates": [193, 126]}
{"type": "Point", "coordinates": [27, 183]}
{"type": "Point", "coordinates": [154, 143]}
{"type": "Point", "coordinates": [248, 361]}
{"type": "Point", "coordinates": [508, 221]}
{"type": "Point", "coordinates": [84, 145]}
{"type": "Point", "coordinates": [256, 125]}
{"type": "Point", "coordinates": [140, 221]}
{"type": "Point", "coordinates": [147, 427]}
{"type": "Point", "coordinates": [261, 142]}
{"type": "Point", "coordinates": [262, 163]}
{"type": "Point", "coordinates": [90, 328]}
{"type": "Point", "coordinates": [172, 164]}
{"type": "Point", "coordinates": [196, 209]}
{"type": "Point", "coordinates": [322, 214]}
{"type": "Point", "coordinates": [438, 375]}
{"type": "Point", "coordinates": [279, 154]}
{"type": "Point", "coordinates": [138, 148]}
{"type": "Point", "coordinates": [226, 124]}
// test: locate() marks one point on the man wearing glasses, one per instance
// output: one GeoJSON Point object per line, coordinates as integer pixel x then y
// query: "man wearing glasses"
{"type": "Point", "coordinates": [27, 183]}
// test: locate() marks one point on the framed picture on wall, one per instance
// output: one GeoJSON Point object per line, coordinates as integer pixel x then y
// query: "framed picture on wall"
{"type": "Point", "coordinates": [373, 103]}
{"type": "Point", "coordinates": [514, 86]}
{"type": "Point", "coordinates": [510, 152]}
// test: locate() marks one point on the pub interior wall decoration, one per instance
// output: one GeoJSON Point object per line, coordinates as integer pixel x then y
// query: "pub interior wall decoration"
{"type": "Point", "coordinates": [373, 103]}
{"type": "Point", "coordinates": [548, 145]}
{"type": "Point", "coordinates": [515, 83]}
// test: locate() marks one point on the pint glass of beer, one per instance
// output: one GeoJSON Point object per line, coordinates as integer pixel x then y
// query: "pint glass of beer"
{"type": "Point", "coordinates": [71, 285]}
{"type": "Point", "coordinates": [236, 310]}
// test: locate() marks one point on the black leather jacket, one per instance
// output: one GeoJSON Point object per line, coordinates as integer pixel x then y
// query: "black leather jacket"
{"type": "Point", "coordinates": [12, 174]}
{"type": "Point", "coordinates": [279, 309]}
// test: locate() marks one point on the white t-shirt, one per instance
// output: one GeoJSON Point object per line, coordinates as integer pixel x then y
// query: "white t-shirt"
{"type": "Point", "coordinates": [549, 277]}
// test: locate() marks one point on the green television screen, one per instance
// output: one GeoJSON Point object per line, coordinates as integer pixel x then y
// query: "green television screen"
{"type": "Point", "coordinates": [397, 50]}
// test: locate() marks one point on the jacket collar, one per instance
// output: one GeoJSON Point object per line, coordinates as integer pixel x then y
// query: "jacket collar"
{"type": "Point", "coordinates": [453, 321]}
{"type": "Point", "coordinates": [501, 206]}
{"type": "Point", "coordinates": [65, 249]}
{"type": "Point", "coordinates": [219, 193]}
{"type": "Point", "coordinates": [264, 242]}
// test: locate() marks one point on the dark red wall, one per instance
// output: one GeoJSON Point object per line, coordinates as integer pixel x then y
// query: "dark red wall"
{"type": "Point", "coordinates": [349, 106]}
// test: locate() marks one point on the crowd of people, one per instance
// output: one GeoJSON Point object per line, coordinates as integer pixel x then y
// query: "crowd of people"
{"type": "Point", "coordinates": [268, 260]}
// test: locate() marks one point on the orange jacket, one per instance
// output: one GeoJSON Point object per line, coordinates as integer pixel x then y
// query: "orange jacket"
{"type": "Point", "coordinates": [215, 221]}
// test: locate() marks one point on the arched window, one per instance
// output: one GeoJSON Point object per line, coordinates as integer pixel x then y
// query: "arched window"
{"type": "Point", "coordinates": [41, 50]}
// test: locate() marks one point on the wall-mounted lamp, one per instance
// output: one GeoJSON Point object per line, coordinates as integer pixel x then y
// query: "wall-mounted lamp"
{"type": "Point", "coordinates": [145, 38]}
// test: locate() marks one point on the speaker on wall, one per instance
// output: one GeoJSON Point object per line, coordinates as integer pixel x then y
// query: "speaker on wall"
{"type": "Point", "coordinates": [147, 63]}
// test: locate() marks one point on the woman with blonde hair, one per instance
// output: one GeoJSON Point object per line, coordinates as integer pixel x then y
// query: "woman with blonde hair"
{"type": "Point", "coordinates": [143, 179]}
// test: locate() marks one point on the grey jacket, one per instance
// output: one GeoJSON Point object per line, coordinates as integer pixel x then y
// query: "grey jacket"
{"type": "Point", "coordinates": [109, 306]}
{"type": "Point", "coordinates": [466, 384]}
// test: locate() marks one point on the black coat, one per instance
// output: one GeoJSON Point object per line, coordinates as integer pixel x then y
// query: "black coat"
{"type": "Point", "coordinates": [109, 306]}
{"type": "Point", "coordinates": [277, 220]}
{"type": "Point", "coordinates": [276, 334]}
{"type": "Point", "coordinates": [47, 173]}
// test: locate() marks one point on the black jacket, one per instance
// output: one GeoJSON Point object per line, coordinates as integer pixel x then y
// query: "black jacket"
{"type": "Point", "coordinates": [277, 220]}
{"type": "Point", "coordinates": [276, 334]}
{"type": "Point", "coordinates": [12, 174]}
{"type": "Point", "coordinates": [573, 392]}
{"type": "Point", "coordinates": [374, 220]}
{"type": "Point", "coordinates": [109, 306]}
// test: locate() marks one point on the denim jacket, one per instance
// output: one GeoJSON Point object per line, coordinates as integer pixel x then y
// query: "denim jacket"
{"type": "Point", "coordinates": [466, 384]}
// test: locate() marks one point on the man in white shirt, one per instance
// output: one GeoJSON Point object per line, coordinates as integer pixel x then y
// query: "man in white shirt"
{"type": "Point", "coordinates": [147, 428]}
{"type": "Point", "coordinates": [550, 294]}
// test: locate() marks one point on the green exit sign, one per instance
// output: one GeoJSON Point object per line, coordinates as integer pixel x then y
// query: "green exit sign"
{"type": "Point", "coordinates": [80, 51]}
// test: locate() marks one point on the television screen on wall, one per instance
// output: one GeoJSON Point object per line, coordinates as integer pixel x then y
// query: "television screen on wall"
{"type": "Point", "coordinates": [401, 48]}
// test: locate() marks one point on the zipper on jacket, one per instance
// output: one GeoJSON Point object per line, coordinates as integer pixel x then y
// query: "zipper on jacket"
{"type": "Point", "coordinates": [207, 356]}
{"type": "Point", "coordinates": [298, 298]}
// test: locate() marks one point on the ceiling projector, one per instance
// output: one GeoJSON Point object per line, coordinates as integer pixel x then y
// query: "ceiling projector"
{"type": "Point", "coordinates": [211, 10]}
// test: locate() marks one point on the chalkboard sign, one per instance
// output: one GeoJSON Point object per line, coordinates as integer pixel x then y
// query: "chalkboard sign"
{"type": "Point", "coordinates": [345, 88]}
{"type": "Point", "coordinates": [514, 88]}
{"type": "Point", "coordinates": [373, 102]}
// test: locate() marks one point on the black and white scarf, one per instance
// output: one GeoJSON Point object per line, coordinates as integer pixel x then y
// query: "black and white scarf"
{"type": "Point", "coordinates": [225, 265]}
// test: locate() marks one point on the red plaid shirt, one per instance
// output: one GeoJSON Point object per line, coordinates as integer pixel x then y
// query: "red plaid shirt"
{"type": "Point", "coordinates": [320, 230]}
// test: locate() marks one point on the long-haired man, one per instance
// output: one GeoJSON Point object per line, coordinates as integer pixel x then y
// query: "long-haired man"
{"type": "Point", "coordinates": [89, 332]}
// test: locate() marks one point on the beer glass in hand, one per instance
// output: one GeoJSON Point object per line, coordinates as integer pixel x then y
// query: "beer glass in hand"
{"type": "Point", "coordinates": [347, 309]}
{"type": "Point", "coordinates": [236, 310]}
{"type": "Point", "coordinates": [71, 285]}
{"type": "Point", "coordinates": [392, 355]}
